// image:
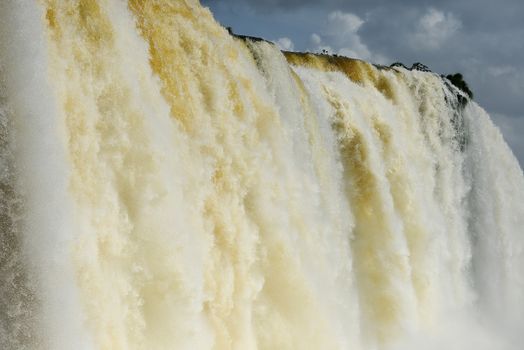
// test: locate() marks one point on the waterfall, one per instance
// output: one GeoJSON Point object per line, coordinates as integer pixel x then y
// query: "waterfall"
{"type": "Point", "coordinates": [166, 185]}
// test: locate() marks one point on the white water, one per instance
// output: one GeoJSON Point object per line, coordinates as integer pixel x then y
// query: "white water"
{"type": "Point", "coordinates": [166, 186]}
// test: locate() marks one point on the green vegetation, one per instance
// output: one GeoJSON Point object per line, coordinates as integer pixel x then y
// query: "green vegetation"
{"type": "Point", "coordinates": [458, 80]}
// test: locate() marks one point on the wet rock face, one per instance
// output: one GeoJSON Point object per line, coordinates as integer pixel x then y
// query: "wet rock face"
{"type": "Point", "coordinates": [458, 99]}
{"type": "Point", "coordinates": [456, 79]}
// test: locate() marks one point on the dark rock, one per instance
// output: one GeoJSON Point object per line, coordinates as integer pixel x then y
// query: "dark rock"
{"type": "Point", "coordinates": [398, 64]}
{"type": "Point", "coordinates": [251, 38]}
{"type": "Point", "coordinates": [415, 66]}
{"type": "Point", "coordinates": [421, 67]}
{"type": "Point", "coordinates": [246, 37]}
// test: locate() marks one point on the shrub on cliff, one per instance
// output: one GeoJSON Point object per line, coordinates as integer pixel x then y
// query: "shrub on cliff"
{"type": "Point", "coordinates": [458, 80]}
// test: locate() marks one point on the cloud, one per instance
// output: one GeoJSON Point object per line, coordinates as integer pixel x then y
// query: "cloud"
{"type": "Point", "coordinates": [340, 35]}
{"type": "Point", "coordinates": [285, 44]}
{"type": "Point", "coordinates": [434, 28]}
{"type": "Point", "coordinates": [346, 22]}
{"type": "Point", "coordinates": [316, 39]}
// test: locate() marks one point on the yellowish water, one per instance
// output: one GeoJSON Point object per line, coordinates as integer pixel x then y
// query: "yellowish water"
{"type": "Point", "coordinates": [207, 192]}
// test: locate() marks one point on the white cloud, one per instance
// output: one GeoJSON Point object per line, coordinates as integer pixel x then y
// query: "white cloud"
{"type": "Point", "coordinates": [315, 39]}
{"type": "Point", "coordinates": [347, 22]}
{"type": "Point", "coordinates": [340, 35]}
{"type": "Point", "coordinates": [285, 44]}
{"type": "Point", "coordinates": [434, 28]}
{"type": "Point", "coordinates": [319, 44]}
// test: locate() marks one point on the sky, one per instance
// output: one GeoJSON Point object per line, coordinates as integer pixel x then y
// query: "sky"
{"type": "Point", "coordinates": [482, 39]}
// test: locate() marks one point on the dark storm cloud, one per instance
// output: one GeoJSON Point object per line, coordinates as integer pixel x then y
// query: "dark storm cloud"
{"type": "Point", "coordinates": [480, 38]}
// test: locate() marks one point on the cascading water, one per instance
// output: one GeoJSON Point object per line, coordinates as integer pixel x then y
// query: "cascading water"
{"type": "Point", "coordinates": [165, 185]}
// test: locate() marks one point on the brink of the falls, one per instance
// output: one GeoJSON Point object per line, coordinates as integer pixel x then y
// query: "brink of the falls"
{"type": "Point", "coordinates": [165, 185]}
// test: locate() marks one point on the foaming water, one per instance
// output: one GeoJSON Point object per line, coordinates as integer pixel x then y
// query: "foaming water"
{"type": "Point", "coordinates": [168, 186]}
